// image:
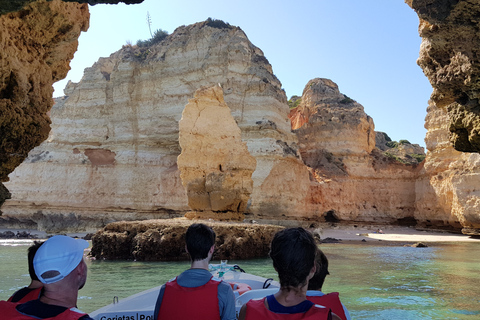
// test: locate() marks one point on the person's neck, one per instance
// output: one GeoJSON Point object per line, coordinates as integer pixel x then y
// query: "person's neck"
{"type": "Point", "coordinates": [59, 296]}
{"type": "Point", "coordinates": [291, 297]}
{"type": "Point", "coordinates": [200, 264]}
{"type": "Point", "coordinates": [34, 284]}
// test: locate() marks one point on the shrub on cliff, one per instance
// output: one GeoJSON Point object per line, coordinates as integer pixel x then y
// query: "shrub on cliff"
{"type": "Point", "coordinates": [418, 157]}
{"type": "Point", "coordinates": [158, 36]}
{"type": "Point", "coordinates": [392, 144]}
{"type": "Point", "coordinates": [396, 158]}
{"type": "Point", "coordinates": [395, 144]}
{"type": "Point", "coordinates": [347, 100]}
{"type": "Point", "coordinates": [294, 102]}
{"type": "Point", "coordinates": [219, 24]}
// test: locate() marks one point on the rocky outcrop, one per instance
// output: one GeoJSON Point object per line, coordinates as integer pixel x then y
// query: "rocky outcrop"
{"type": "Point", "coordinates": [112, 153]}
{"type": "Point", "coordinates": [450, 58]}
{"type": "Point", "coordinates": [17, 5]}
{"type": "Point", "coordinates": [402, 151]}
{"type": "Point", "coordinates": [351, 179]}
{"type": "Point", "coordinates": [164, 240]}
{"type": "Point", "coordinates": [216, 167]}
{"type": "Point", "coordinates": [4, 195]}
{"type": "Point", "coordinates": [448, 193]}
{"type": "Point", "coordinates": [36, 46]}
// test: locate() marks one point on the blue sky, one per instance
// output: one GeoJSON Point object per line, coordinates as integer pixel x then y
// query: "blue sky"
{"type": "Point", "coordinates": [369, 47]}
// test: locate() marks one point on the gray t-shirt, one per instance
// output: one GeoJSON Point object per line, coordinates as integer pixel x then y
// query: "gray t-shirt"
{"type": "Point", "coordinates": [192, 278]}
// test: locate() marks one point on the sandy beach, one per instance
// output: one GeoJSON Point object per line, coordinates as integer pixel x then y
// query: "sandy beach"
{"type": "Point", "coordinates": [393, 234]}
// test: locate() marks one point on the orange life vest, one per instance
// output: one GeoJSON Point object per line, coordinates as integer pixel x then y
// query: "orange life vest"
{"type": "Point", "coordinates": [331, 301]}
{"type": "Point", "coordinates": [200, 303]}
{"type": "Point", "coordinates": [239, 288]}
{"type": "Point", "coordinates": [256, 310]}
{"type": "Point", "coordinates": [9, 312]}
{"type": "Point", "coordinates": [33, 294]}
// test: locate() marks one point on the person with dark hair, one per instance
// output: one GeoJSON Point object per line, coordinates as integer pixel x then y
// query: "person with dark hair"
{"type": "Point", "coordinates": [59, 265]}
{"type": "Point", "coordinates": [33, 290]}
{"type": "Point", "coordinates": [293, 253]}
{"type": "Point", "coordinates": [315, 294]}
{"type": "Point", "coordinates": [195, 293]}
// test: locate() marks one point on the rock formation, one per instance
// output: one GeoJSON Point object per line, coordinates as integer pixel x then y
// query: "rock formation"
{"type": "Point", "coordinates": [113, 150]}
{"type": "Point", "coordinates": [7, 6]}
{"type": "Point", "coordinates": [448, 192]}
{"type": "Point", "coordinates": [351, 179]}
{"type": "Point", "coordinates": [450, 58]}
{"type": "Point", "coordinates": [403, 150]}
{"type": "Point", "coordinates": [112, 153]}
{"type": "Point", "coordinates": [36, 46]}
{"type": "Point", "coordinates": [163, 240]}
{"type": "Point", "coordinates": [216, 167]}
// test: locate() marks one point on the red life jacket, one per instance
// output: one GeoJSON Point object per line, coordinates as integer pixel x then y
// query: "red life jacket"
{"type": "Point", "coordinates": [199, 303]}
{"type": "Point", "coordinates": [33, 294]}
{"type": "Point", "coordinates": [256, 310]}
{"type": "Point", "coordinates": [331, 301]}
{"type": "Point", "coordinates": [10, 313]}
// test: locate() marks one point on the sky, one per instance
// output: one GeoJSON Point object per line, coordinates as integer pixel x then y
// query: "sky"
{"type": "Point", "coordinates": [368, 48]}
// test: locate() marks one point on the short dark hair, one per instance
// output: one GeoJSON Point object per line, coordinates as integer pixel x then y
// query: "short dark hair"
{"type": "Point", "coordinates": [199, 239]}
{"type": "Point", "coordinates": [31, 254]}
{"type": "Point", "coordinates": [321, 262]}
{"type": "Point", "coordinates": [293, 253]}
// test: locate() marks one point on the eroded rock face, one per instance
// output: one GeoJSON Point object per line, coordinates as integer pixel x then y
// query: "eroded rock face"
{"type": "Point", "coordinates": [216, 167]}
{"type": "Point", "coordinates": [350, 179]}
{"type": "Point", "coordinates": [450, 58]}
{"type": "Point", "coordinates": [164, 240]}
{"type": "Point", "coordinates": [36, 46]}
{"type": "Point", "coordinates": [7, 6]}
{"type": "Point", "coordinates": [448, 192]}
{"type": "Point", "coordinates": [112, 153]}
{"type": "Point", "coordinates": [4, 195]}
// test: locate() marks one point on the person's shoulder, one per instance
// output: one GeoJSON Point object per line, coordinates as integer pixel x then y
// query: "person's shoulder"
{"type": "Point", "coordinates": [222, 284]}
{"type": "Point", "coordinates": [6, 302]}
{"type": "Point", "coordinates": [40, 310]}
{"type": "Point", "coordinates": [194, 274]}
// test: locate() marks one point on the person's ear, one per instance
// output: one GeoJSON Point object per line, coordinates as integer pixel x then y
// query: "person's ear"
{"type": "Point", "coordinates": [186, 250]}
{"type": "Point", "coordinates": [212, 249]}
{"type": "Point", "coordinates": [312, 271]}
{"type": "Point", "coordinates": [80, 269]}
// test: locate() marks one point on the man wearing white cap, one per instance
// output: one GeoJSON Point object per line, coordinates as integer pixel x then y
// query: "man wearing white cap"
{"type": "Point", "coordinates": [59, 265]}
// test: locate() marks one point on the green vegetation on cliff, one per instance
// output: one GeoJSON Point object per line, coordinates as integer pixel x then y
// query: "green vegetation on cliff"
{"type": "Point", "coordinates": [294, 101]}
{"type": "Point", "coordinates": [158, 36]}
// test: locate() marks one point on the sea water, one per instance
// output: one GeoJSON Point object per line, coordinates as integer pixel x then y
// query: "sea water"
{"type": "Point", "coordinates": [381, 281]}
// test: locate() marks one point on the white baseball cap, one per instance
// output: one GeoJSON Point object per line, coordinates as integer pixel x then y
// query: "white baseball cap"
{"type": "Point", "coordinates": [57, 257]}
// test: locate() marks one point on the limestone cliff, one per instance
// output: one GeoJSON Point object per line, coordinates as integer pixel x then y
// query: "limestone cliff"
{"type": "Point", "coordinates": [351, 179]}
{"type": "Point", "coordinates": [112, 153]}
{"type": "Point", "coordinates": [450, 58]}
{"type": "Point", "coordinates": [448, 192]}
{"type": "Point", "coordinates": [36, 46]}
{"type": "Point", "coordinates": [216, 167]}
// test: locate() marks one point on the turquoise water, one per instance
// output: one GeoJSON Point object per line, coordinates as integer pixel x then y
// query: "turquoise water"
{"type": "Point", "coordinates": [375, 282]}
